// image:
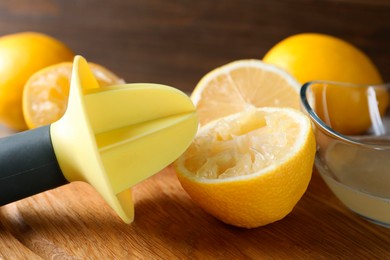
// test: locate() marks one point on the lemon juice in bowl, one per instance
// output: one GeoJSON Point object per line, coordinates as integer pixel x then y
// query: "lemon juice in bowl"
{"type": "Point", "coordinates": [355, 164]}
{"type": "Point", "coordinates": [360, 178]}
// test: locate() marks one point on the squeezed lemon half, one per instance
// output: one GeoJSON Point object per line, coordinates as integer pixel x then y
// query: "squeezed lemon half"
{"type": "Point", "coordinates": [251, 168]}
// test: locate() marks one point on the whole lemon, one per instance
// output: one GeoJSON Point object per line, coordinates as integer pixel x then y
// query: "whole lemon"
{"type": "Point", "coordinates": [22, 54]}
{"type": "Point", "coordinates": [313, 56]}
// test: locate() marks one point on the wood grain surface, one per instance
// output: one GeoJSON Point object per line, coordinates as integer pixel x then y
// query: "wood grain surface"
{"type": "Point", "coordinates": [73, 222]}
{"type": "Point", "coordinates": [176, 42]}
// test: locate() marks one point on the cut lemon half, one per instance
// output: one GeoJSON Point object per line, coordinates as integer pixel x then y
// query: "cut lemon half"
{"type": "Point", "coordinates": [235, 86]}
{"type": "Point", "coordinates": [250, 169]}
{"type": "Point", "coordinates": [45, 95]}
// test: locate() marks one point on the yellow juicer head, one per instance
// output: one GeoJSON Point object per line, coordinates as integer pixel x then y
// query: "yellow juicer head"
{"type": "Point", "coordinates": [114, 137]}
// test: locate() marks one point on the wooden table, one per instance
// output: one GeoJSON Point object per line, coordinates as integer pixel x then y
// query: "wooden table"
{"type": "Point", "coordinates": [176, 43]}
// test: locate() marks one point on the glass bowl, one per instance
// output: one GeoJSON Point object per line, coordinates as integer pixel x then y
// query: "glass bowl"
{"type": "Point", "coordinates": [352, 129]}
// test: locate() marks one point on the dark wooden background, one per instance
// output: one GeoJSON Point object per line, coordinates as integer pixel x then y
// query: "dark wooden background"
{"type": "Point", "coordinates": [176, 42]}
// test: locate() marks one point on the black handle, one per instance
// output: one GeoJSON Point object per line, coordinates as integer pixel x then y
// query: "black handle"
{"type": "Point", "coordinates": [28, 165]}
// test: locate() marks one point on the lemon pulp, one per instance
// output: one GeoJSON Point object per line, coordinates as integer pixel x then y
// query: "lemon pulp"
{"type": "Point", "coordinates": [242, 146]}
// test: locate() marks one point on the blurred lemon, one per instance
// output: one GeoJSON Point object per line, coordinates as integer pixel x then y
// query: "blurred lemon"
{"type": "Point", "coordinates": [313, 56]}
{"type": "Point", "coordinates": [251, 168]}
{"type": "Point", "coordinates": [348, 109]}
{"type": "Point", "coordinates": [45, 95]}
{"type": "Point", "coordinates": [237, 85]}
{"type": "Point", "coordinates": [21, 55]}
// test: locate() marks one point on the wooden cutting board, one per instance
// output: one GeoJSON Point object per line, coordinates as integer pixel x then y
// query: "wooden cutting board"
{"type": "Point", "coordinates": [73, 222]}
